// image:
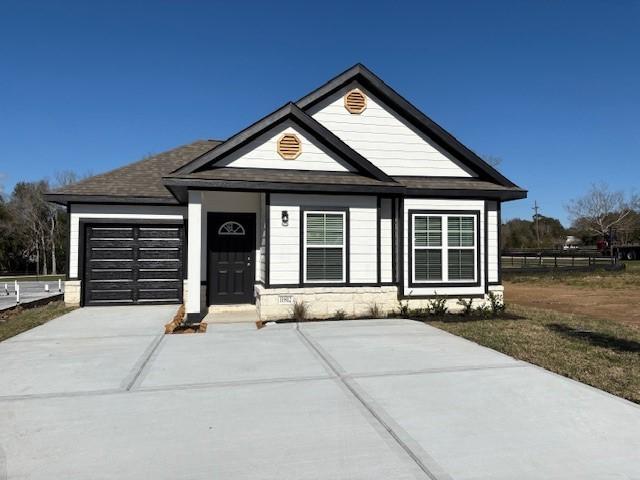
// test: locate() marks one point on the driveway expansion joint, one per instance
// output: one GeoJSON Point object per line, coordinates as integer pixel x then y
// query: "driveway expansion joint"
{"type": "Point", "coordinates": [132, 379]}
{"type": "Point", "coordinates": [422, 459]}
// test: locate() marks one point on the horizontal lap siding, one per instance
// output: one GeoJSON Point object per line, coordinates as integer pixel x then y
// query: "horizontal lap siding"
{"type": "Point", "coordinates": [433, 204]}
{"type": "Point", "coordinates": [263, 153]}
{"type": "Point", "coordinates": [385, 139]}
{"type": "Point", "coordinates": [284, 244]}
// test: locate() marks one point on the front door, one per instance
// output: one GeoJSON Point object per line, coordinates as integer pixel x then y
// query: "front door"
{"type": "Point", "coordinates": [232, 244]}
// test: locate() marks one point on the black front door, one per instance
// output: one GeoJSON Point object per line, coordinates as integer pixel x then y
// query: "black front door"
{"type": "Point", "coordinates": [232, 244]}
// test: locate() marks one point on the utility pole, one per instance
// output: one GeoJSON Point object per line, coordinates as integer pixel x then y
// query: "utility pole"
{"type": "Point", "coordinates": [536, 218]}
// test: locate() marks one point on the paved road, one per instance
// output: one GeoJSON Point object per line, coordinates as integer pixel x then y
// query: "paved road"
{"type": "Point", "coordinates": [29, 291]}
{"type": "Point", "coordinates": [100, 393]}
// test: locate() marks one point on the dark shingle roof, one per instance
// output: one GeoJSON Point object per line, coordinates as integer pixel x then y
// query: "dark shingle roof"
{"type": "Point", "coordinates": [229, 178]}
{"type": "Point", "coordinates": [142, 179]}
{"type": "Point", "coordinates": [453, 183]}
{"type": "Point", "coordinates": [282, 176]}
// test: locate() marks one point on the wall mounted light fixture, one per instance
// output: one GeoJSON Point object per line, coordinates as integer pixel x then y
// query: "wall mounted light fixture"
{"type": "Point", "coordinates": [285, 218]}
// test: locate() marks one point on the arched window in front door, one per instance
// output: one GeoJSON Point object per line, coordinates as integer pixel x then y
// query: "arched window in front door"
{"type": "Point", "coordinates": [231, 228]}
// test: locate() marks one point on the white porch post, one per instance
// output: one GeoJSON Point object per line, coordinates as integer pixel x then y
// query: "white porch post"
{"type": "Point", "coordinates": [194, 247]}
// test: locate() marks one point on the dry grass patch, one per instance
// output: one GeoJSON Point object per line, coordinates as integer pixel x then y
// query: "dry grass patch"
{"type": "Point", "coordinates": [22, 319]}
{"type": "Point", "coordinates": [601, 353]}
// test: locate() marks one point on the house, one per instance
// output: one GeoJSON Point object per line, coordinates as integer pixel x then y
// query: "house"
{"type": "Point", "coordinates": [348, 197]}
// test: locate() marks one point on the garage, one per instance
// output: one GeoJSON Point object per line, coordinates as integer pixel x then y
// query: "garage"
{"type": "Point", "coordinates": [133, 264]}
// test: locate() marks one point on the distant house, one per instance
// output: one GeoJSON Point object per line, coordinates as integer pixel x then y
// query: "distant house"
{"type": "Point", "coordinates": [348, 197]}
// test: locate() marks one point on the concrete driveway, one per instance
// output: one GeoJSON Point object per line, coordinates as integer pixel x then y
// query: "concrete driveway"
{"type": "Point", "coordinates": [100, 393]}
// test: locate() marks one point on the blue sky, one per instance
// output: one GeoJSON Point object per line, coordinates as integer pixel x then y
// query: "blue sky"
{"type": "Point", "coordinates": [552, 88]}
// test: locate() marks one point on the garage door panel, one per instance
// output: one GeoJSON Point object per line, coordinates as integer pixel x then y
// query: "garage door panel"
{"type": "Point", "coordinates": [148, 263]}
{"type": "Point", "coordinates": [159, 294]}
{"type": "Point", "coordinates": [112, 253]}
{"type": "Point", "coordinates": [125, 296]}
{"type": "Point", "coordinates": [158, 284]}
{"type": "Point", "coordinates": [112, 243]}
{"type": "Point", "coordinates": [111, 274]}
{"type": "Point", "coordinates": [167, 232]}
{"type": "Point", "coordinates": [165, 273]}
{"type": "Point", "coordinates": [159, 242]}
{"type": "Point", "coordinates": [111, 232]}
{"type": "Point", "coordinates": [103, 285]}
{"type": "Point", "coordinates": [109, 264]}
{"type": "Point", "coordinates": [133, 264]}
{"type": "Point", "coordinates": [159, 253]}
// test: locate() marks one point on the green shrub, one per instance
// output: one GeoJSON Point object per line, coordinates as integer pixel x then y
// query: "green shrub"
{"type": "Point", "coordinates": [497, 304]}
{"type": "Point", "coordinates": [403, 309]}
{"type": "Point", "coordinates": [340, 314]}
{"type": "Point", "coordinates": [374, 311]}
{"type": "Point", "coordinates": [299, 311]}
{"type": "Point", "coordinates": [467, 306]}
{"type": "Point", "coordinates": [438, 305]}
{"type": "Point", "coordinates": [483, 311]}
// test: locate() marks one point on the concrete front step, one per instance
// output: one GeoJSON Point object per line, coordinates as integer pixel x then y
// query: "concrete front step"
{"type": "Point", "coordinates": [231, 314]}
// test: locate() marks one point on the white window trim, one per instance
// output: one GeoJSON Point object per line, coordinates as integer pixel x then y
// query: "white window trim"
{"type": "Point", "coordinates": [444, 248]}
{"type": "Point", "coordinates": [344, 245]}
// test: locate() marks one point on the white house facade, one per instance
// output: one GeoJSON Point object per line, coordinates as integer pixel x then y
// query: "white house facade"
{"type": "Point", "coordinates": [345, 199]}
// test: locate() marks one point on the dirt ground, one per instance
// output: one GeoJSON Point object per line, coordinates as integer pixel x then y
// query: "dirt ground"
{"type": "Point", "coordinates": [620, 305]}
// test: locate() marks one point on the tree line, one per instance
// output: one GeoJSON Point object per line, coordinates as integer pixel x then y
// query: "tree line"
{"type": "Point", "coordinates": [33, 232]}
{"type": "Point", "coordinates": [597, 215]}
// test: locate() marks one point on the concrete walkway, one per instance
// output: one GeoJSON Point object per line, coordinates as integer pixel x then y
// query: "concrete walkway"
{"type": "Point", "coordinates": [100, 393]}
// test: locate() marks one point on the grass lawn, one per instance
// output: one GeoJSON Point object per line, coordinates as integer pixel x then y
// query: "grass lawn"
{"type": "Point", "coordinates": [20, 320]}
{"type": "Point", "coordinates": [31, 278]}
{"type": "Point", "coordinates": [601, 353]}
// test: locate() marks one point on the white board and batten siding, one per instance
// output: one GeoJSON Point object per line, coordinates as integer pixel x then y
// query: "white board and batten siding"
{"type": "Point", "coordinates": [117, 213]}
{"type": "Point", "coordinates": [386, 242]}
{"type": "Point", "coordinates": [385, 139]}
{"type": "Point", "coordinates": [284, 246]}
{"type": "Point", "coordinates": [263, 153]}
{"type": "Point", "coordinates": [453, 205]}
{"type": "Point", "coordinates": [493, 244]}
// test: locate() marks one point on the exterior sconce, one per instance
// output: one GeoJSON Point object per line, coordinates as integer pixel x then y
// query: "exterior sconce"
{"type": "Point", "coordinates": [285, 218]}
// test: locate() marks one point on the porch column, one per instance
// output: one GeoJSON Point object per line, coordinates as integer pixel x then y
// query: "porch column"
{"type": "Point", "coordinates": [194, 248]}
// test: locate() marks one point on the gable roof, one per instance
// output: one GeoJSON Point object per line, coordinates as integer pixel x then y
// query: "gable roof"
{"type": "Point", "coordinates": [138, 182]}
{"type": "Point", "coordinates": [410, 113]}
{"type": "Point", "coordinates": [166, 177]}
{"type": "Point", "coordinates": [288, 112]}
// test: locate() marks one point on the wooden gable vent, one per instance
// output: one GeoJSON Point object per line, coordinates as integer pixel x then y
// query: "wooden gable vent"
{"type": "Point", "coordinates": [289, 146]}
{"type": "Point", "coordinates": [355, 101]}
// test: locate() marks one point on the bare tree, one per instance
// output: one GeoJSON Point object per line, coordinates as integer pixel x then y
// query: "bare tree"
{"type": "Point", "coordinates": [602, 209]}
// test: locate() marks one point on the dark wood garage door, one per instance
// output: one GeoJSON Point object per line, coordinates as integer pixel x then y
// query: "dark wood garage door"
{"type": "Point", "coordinates": [133, 264]}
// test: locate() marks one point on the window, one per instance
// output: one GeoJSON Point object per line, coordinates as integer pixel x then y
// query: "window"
{"type": "Point", "coordinates": [324, 247]}
{"type": "Point", "coordinates": [439, 257]}
{"type": "Point", "coordinates": [231, 228]}
{"type": "Point", "coordinates": [427, 248]}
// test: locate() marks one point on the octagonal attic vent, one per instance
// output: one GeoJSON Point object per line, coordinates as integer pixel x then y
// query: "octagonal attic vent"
{"type": "Point", "coordinates": [355, 101]}
{"type": "Point", "coordinates": [289, 146]}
